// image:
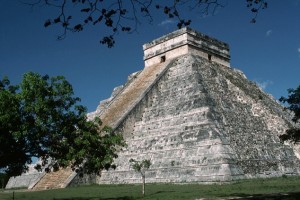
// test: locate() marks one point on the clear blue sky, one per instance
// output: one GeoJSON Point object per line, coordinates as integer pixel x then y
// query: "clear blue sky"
{"type": "Point", "coordinates": [268, 52]}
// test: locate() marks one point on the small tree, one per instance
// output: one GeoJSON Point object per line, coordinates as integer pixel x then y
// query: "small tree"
{"type": "Point", "coordinates": [141, 167]}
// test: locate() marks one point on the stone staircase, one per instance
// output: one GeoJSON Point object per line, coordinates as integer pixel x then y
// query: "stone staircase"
{"type": "Point", "coordinates": [125, 101]}
{"type": "Point", "coordinates": [55, 180]}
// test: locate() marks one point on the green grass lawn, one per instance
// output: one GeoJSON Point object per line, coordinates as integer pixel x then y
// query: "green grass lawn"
{"type": "Point", "coordinates": [273, 188]}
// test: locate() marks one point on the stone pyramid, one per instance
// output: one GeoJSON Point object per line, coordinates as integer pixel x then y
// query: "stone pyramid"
{"type": "Point", "coordinates": [196, 118]}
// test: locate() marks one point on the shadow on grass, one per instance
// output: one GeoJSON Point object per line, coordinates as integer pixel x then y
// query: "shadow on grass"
{"type": "Point", "coordinates": [159, 192]}
{"type": "Point", "coordinates": [112, 198]}
{"type": "Point", "coordinates": [279, 196]}
{"type": "Point", "coordinates": [95, 198]}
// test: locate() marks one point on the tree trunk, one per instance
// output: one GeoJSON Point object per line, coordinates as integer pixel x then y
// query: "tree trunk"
{"type": "Point", "coordinates": [143, 177]}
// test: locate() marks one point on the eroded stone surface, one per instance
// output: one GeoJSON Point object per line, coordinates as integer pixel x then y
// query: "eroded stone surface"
{"type": "Point", "coordinates": [24, 180]}
{"type": "Point", "coordinates": [185, 41]}
{"type": "Point", "coordinates": [195, 118]}
{"type": "Point", "coordinates": [204, 122]}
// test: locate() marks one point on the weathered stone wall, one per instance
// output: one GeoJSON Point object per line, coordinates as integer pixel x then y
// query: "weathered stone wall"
{"type": "Point", "coordinates": [168, 55]}
{"type": "Point", "coordinates": [83, 179]}
{"type": "Point", "coordinates": [251, 121]}
{"type": "Point", "coordinates": [204, 122]}
{"type": "Point", "coordinates": [185, 41]}
{"type": "Point", "coordinates": [24, 180]}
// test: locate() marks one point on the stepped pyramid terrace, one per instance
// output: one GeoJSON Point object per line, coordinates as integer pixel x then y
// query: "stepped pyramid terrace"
{"type": "Point", "coordinates": [194, 116]}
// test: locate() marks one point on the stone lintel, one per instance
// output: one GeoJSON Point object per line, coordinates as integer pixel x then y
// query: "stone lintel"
{"type": "Point", "coordinates": [185, 41]}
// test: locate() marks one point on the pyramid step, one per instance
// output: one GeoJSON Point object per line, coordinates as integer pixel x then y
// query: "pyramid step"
{"type": "Point", "coordinates": [132, 94]}
{"type": "Point", "coordinates": [54, 180]}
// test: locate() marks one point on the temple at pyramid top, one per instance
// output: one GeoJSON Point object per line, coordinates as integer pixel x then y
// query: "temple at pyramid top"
{"type": "Point", "coordinates": [185, 41]}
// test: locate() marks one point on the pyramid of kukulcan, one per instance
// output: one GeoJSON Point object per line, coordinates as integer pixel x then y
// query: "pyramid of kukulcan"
{"type": "Point", "coordinates": [196, 118]}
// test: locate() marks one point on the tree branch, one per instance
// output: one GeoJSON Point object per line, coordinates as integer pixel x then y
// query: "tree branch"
{"type": "Point", "coordinates": [125, 16]}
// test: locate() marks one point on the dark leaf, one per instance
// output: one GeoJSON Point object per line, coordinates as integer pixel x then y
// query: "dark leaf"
{"type": "Point", "coordinates": [57, 20]}
{"type": "Point", "coordinates": [78, 27]}
{"type": "Point", "coordinates": [109, 22]}
{"type": "Point", "coordinates": [144, 9]}
{"type": "Point", "coordinates": [123, 11]}
{"type": "Point", "coordinates": [47, 23]}
{"type": "Point", "coordinates": [100, 18]}
{"type": "Point", "coordinates": [65, 24]}
{"type": "Point", "coordinates": [179, 25]}
{"type": "Point", "coordinates": [254, 10]}
{"type": "Point", "coordinates": [187, 23]}
{"type": "Point", "coordinates": [108, 40]}
{"type": "Point", "coordinates": [166, 10]}
{"type": "Point", "coordinates": [85, 10]}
